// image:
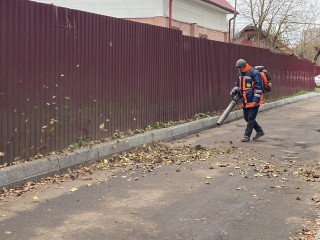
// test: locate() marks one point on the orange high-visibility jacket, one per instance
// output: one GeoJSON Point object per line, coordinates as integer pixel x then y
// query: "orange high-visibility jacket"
{"type": "Point", "coordinates": [250, 86]}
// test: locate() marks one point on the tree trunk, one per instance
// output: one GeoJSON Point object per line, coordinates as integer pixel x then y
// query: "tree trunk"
{"type": "Point", "coordinates": [315, 59]}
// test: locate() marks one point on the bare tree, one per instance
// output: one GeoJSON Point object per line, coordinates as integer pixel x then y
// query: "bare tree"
{"type": "Point", "coordinates": [277, 19]}
{"type": "Point", "coordinates": [308, 46]}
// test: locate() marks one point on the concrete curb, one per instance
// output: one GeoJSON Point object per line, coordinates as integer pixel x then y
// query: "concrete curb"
{"type": "Point", "coordinates": [19, 174]}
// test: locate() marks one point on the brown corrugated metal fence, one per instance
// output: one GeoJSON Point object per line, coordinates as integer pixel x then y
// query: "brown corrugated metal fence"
{"type": "Point", "coordinates": [66, 74]}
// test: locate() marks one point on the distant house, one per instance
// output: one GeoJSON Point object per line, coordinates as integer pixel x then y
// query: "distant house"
{"type": "Point", "coordinates": [196, 18]}
{"type": "Point", "coordinates": [248, 36]}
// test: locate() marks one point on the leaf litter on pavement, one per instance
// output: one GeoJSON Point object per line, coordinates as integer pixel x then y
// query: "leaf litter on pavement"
{"type": "Point", "coordinates": [148, 156]}
{"type": "Point", "coordinates": [144, 158]}
{"type": "Point", "coordinates": [248, 163]}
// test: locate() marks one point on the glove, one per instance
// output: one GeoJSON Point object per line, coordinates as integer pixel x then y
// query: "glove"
{"type": "Point", "coordinates": [234, 91]}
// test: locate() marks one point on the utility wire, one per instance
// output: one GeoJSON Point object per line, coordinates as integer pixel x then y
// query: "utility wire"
{"type": "Point", "coordinates": [305, 23]}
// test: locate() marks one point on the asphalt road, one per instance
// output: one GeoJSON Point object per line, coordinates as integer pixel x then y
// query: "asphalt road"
{"type": "Point", "coordinates": [264, 190]}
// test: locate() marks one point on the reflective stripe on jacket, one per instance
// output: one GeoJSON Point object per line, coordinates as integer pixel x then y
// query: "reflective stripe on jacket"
{"type": "Point", "coordinates": [250, 85]}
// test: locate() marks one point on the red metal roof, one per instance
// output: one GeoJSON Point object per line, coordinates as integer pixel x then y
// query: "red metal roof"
{"type": "Point", "coordinates": [222, 4]}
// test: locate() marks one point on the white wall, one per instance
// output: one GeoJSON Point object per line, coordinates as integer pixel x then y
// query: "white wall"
{"type": "Point", "coordinates": [113, 8]}
{"type": "Point", "coordinates": [189, 11]}
{"type": "Point", "coordinates": [195, 11]}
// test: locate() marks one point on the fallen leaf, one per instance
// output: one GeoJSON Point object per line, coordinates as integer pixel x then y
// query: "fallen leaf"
{"type": "Point", "coordinates": [222, 165]}
{"type": "Point", "coordinates": [35, 199]}
{"type": "Point", "coordinates": [73, 189]}
{"type": "Point", "coordinates": [101, 126]}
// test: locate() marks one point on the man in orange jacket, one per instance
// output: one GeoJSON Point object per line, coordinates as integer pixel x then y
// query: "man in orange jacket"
{"type": "Point", "coordinates": [249, 87]}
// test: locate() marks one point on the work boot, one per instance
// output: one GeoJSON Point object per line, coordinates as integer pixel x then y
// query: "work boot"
{"type": "Point", "coordinates": [258, 135]}
{"type": "Point", "coordinates": [245, 139]}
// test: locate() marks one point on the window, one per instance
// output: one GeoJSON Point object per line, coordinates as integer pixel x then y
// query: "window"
{"type": "Point", "coordinates": [250, 38]}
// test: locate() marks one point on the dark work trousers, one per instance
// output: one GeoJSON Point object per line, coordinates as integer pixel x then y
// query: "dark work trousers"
{"type": "Point", "coordinates": [250, 114]}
